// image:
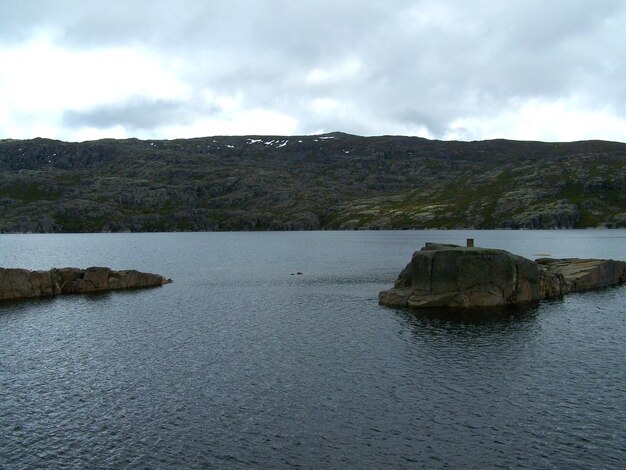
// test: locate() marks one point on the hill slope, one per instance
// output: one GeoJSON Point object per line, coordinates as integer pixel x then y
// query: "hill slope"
{"type": "Point", "coordinates": [333, 181]}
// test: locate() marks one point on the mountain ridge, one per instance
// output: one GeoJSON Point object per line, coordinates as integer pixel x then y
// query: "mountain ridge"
{"type": "Point", "coordinates": [327, 181]}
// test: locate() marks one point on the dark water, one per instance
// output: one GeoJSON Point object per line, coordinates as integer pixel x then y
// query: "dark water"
{"type": "Point", "coordinates": [239, 364]}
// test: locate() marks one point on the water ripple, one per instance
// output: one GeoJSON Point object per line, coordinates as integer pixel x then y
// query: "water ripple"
{"type": "Point", "coordinates": [238, 364]}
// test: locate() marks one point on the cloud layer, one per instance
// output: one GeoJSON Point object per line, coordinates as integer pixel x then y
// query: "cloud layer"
{"type": "Point", "coordinates": [466, 69]}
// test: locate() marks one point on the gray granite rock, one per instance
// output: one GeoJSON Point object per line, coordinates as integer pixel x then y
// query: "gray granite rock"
{"type": "Point", "coordinates": [22, 284]}
{"type": "Point", "coordinates": [450, 276]}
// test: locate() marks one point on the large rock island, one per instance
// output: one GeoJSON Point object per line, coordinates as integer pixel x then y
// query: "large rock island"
{"type": "Point", "coordinates": [23, 284]}
{"type": "Point", "coordinates": [451, 276]}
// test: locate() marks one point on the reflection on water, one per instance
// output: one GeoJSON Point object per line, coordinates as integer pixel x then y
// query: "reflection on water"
{"type": "Point", "coordinates": [501, 332]}
{"type": "Point", "coordinates": [23, 305]}
{"type": "Point", "coordinates": [503, 315]}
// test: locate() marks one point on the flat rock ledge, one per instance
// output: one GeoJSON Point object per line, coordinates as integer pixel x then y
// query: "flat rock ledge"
{"type": "Point", "coordinates": [23, 284]}
{"type": "Point", "coordinates": [451, 276]}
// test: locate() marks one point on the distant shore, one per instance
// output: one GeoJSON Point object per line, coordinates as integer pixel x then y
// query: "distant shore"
{"type": "Point", "coordinates": [333, 181]}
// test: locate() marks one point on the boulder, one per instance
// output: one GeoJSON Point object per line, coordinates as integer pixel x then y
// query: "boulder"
{"type": "Point", "coordinates": [21, 283]}
{"type": "Point", "coordinates": [460, 277]}
{"type": "Point", "coordinates": [98, 277]}
{"type": "Point", "coordinates": [450, 276]}
{"type": "Point", "coordinates": [66, 278]}
{"type": "Point", "coordinates": [132, 279]}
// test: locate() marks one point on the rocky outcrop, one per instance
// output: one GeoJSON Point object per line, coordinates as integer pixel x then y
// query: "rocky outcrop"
{"type": "Point", "coordinates": [559, 214]}
{"type": "Point", "coordinates": [450, 276]}
{"type": "Point", "coordinates": [586, 274]}
{"type": "Point", "coordinates": [23, 284]}
{"type": "Point", "coordinates": [453, 276]}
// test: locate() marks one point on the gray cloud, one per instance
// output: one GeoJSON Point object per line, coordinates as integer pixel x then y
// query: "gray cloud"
{"type": "Point", "coordinates": [138, 114]}
{"type": "Point", "coordinates": [418, 63]}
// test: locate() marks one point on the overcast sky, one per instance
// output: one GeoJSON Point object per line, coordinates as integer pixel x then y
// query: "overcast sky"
{"type": "Point", "coordinates": [446, 69]}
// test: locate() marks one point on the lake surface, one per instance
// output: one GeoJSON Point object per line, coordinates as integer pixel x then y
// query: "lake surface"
{"type": "Point", "coordinates": [240, 364]}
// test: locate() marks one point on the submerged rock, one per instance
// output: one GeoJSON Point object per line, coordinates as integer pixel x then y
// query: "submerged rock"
{"type": "Point", "coordinates": [450, 276]}
{"type": "Point", "coordinates": [22, 284]}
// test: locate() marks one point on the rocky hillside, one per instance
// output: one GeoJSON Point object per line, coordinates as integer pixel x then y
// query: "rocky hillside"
{"type": "Point", "coordinates": [333, 181]}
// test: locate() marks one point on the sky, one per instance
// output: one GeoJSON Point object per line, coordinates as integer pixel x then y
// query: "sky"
{"type": "Point", "coordinates": [442, 69]}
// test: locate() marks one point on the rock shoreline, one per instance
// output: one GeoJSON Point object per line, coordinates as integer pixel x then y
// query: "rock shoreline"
{"type": "Point", "coordinates": [451, 276]}
{"type": "Point", "coordinates": [24, 284]}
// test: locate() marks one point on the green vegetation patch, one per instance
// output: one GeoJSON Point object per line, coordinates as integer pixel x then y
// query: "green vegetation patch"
{"type": "Point", "coordinates": [28, 192]}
